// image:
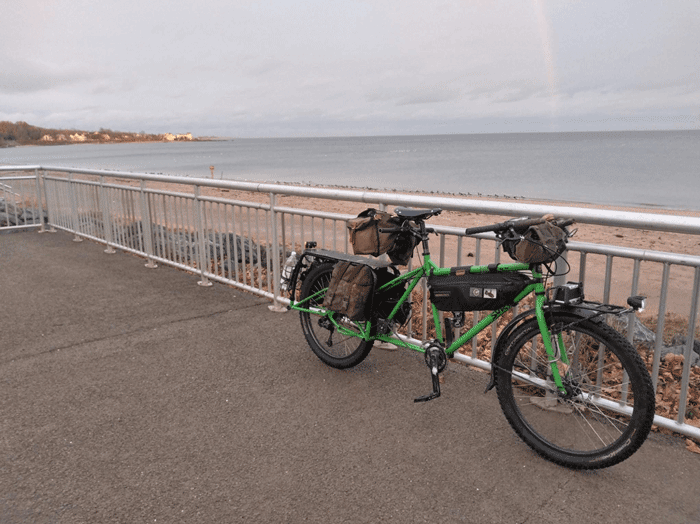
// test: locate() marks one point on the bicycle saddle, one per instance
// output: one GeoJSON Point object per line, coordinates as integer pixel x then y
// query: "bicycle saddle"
{"type": "Point", "coordinates": [417, 214]}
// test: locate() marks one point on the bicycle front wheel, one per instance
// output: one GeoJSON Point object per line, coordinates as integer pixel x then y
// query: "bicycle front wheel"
{"type": "Point", "coordinates": [608, 408]}
{"type": "Point", "coordinates": [338, 346]}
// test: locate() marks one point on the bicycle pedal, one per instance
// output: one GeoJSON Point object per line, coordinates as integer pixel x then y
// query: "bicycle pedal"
{"type": "Point", "coordinates": [426, 398]}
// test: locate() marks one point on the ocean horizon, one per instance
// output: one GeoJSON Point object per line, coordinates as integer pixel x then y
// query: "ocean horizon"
{"type": "Point", "coordinates": [655, 169]}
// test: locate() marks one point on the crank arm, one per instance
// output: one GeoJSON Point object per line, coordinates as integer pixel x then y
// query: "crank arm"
{"type": "Point", "coordinates": [436, 387]}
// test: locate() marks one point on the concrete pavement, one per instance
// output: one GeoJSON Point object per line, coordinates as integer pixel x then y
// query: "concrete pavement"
{"type": "Point", "coordinates": [134, 395]}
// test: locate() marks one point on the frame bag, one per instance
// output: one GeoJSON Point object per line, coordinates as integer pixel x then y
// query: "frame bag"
{"type": "Point", "coordinates": [350, 290]}
{"type": "Point", "coordinates": [464, 291]}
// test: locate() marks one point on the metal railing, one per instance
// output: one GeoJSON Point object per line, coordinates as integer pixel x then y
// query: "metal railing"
{"type": "Point", "coordinates": [192, 224]}
{"type": "Point", "coordinates": [21, 203]}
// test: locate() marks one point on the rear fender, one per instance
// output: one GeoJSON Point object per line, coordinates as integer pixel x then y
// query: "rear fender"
{"type": "Point", "coordinates": [311, 257]}
{"type": "Point", "coordinates": [307, 261]}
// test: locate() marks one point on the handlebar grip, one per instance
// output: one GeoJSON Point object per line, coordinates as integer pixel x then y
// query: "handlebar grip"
{"type": "Point", "coordinates": [483, 229]}
{"type": "Point", "coordinates": [564, 222]}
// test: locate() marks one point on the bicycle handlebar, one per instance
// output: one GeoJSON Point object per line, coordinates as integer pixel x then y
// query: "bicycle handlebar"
{"type": "Point", "coordinates": [518, 225]}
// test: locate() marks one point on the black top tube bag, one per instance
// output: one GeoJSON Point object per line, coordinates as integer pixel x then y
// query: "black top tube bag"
{"type": "Point", "coordinates": [465, 291]}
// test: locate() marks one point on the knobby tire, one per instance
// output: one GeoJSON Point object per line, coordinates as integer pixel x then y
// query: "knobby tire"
{"type": "Point", "coordinates": [344, 351]}
{"type": "Point", "coordinates": [583, 429]}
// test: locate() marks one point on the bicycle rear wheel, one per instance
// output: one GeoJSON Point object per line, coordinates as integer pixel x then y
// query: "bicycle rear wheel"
{"type": "Point", "coordinates": [608, 409]}
{"type": "Point", "coordinates": [335, 348]}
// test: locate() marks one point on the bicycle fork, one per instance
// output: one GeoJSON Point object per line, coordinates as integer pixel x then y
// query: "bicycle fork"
{"type": "Point", "coordinates": [556, 352]}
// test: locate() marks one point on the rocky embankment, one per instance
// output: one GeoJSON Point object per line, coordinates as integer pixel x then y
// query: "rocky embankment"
{"type": "Point", "coordinates": [12, 215]}
{"type": "Point", "coordinates": [178, 246]}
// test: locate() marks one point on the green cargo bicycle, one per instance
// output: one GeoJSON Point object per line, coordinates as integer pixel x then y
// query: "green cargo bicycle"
{"type": "Point", "coordinates": [572, 388]}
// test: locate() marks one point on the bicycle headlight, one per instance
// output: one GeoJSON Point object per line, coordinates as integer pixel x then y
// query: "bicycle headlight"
{"type": "Point", "coordinates": [637, 302]}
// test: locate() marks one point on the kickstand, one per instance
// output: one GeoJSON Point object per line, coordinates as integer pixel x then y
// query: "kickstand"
{"type": "Point", "coordinates": [432, 361]}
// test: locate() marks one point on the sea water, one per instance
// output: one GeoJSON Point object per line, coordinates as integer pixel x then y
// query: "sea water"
{"type": "Point", "coordinates": [629, 168]}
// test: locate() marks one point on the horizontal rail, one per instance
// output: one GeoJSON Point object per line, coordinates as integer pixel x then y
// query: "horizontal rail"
{"type": "Point", "coordinates": [629, 219]}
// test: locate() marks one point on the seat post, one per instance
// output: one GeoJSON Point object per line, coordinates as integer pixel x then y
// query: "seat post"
{"type": "Point", "coordinates": [424, 237]}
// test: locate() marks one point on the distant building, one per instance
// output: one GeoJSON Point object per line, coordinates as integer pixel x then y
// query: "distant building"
{"type": "Point", "coordinates": [169, 137]}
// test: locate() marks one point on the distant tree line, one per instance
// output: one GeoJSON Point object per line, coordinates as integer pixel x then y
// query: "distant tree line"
{"type": "Point", "coordinates": [21, 133]}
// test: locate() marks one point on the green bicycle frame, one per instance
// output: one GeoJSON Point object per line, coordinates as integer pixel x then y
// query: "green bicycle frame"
{"type": "Point", "coordinates": [364, 328]}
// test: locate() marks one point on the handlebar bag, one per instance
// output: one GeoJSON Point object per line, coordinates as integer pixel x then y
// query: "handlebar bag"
{"type": "Point", "coordinates": [367, 239]}
{"type": "Point", "coordinates": [465, 291]}
{"type": "Point", "coordinates": [540, 244]}
{"type": "Point", "coordinates": [350, 290]}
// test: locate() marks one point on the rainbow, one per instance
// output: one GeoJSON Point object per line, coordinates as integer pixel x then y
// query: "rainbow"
{"type": "Point", "coordinates": [545, 31]}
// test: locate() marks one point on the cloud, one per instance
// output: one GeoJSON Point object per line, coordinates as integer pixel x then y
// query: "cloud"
{"type": "Point", "coordinates": [30, 77]}
{"type": "Point", "coordinates": [249, 67]}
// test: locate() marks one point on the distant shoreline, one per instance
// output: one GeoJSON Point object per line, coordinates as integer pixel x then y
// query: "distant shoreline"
{"type": "Point", "coordinates": [108, 142]}
{"type": "Point", "coordinates": [22, 134]}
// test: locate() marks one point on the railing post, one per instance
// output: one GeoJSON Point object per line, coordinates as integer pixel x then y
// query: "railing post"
{"type": "Point", "coordinates": [199, 225]}
{"type": "Point", "coordinates": [39, 201]}
{"type": "Point", "coordinates": [74, 209]}
{"type": "Point", "coordinates": [559, 277]}
{"type": "Point", "coordinates": [631, 319]}
{"type": "Point", "coordinates": [146, 229]}
{"type": "Point", "coordinates": [688, 353]}
{"type": "Point", "coordinates": [48, 207]}
{"type": "Point", "coordinates": [106, 217]}
{"type": "Point", "coordinates": [276, 305]}
{"type": "Point", "coordinates": [660, 325]}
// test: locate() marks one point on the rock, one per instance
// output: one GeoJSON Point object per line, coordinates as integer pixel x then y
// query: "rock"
{"type": "Point", "coordinates": [667, 351]}
{"type": "Point", "coordinates": [10, 209]}
{"type": "Point", "coordinates": [642, 334]}
{"type": "Point", "coordinates": [671, 350]}
{"type": "Point", "coordinates": [682, 340]}
{"type": "Point", "coordinates": [7, 219]}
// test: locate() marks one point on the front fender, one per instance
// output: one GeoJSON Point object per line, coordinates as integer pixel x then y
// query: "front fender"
{"type": "Point", "coordinates": [501, 343]}
{"type": "Point", "coordinates": [585, 312]}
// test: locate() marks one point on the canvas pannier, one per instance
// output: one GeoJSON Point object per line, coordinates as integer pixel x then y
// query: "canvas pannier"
{"type": "Point", "coordinates": [540, 244]}
{"type": "Point", "coordinates": [465, 291]}
{"type": "Point", "coordinates": [350, 290]}
{"type": "Point", "coordinates": [367, 239]}
{"type": "Point", "coordinates": [365, 236]}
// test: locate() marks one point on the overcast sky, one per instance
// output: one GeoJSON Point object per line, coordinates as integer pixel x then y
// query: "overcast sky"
{"type": "Point", "coordinates": [344, 67]}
